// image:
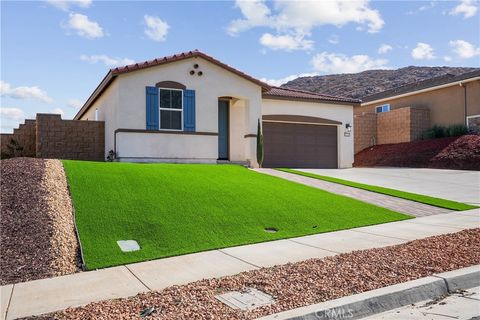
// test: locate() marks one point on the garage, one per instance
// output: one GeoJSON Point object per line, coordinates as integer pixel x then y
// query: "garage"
{"type": "Point", "coordinates": [300, 142]}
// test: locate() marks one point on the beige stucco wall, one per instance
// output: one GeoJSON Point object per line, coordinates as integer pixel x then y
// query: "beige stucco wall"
{"type": "Point", "coordinates": [238, 122]}
{"type": "Point", "coordinates": [123, 106]}
{"type": "Point", "coordinates": [446, 105]}
{"type": "Point", "coordinates": [341, 113]}
{"type": "Point", "coordinates": [107, 105]}
{"type": "Point", "coordinates": [133, 146]}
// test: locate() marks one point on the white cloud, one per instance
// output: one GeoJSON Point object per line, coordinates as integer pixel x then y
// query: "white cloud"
{"type": "Point", "coordinates": [296, 19]}
{"type": "Point", "coordinates": [468, 8]}
{"type": "Point", "coordinates": [106, 60]}
{"type": "Point", "coordinates": [156, 29]}
{"type": "Point", "coordinates": [384, 48]}
{"type": "Point", "coordinates": [24, 93]}
{"type": "Point", "coordinates": [464, 49]}
{"type": "Point", "coordinates": [334, 39]}
{"type": "Point", "coordinates": [447, 58]}
{"type": "Point", "coordinates": [15, 114]}
{"type": "Point", "coordinates": [423, 51]}
{"type": "Point", "coordinates": [84, 27]}
{"type": "Point", "coordinates": [302, 16]}
{"type": "Point", "coordinates": [279, 82]}
{"type": "Point", "coordinates": [422, 8]}
{"type": "Point", "coordinates": [340, 63]}
{"type": "Point", "coordinates": [59, 111]}
{"type": "Point", "coordinates": [74, 104]}
{"type": "Point", "coordinates": [285, 42]}
{"type": "Point", "coordinates": [66, 4]}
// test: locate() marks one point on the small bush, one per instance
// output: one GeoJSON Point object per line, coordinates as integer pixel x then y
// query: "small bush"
{"type": "Point", "coordinates": [456, 130]}
{"type": "Point", "coordinates": [428, 134]}
{"type": "Point", "coordinates": [434, 132]}
{"type": "Point", "coordinates": [441, 131]}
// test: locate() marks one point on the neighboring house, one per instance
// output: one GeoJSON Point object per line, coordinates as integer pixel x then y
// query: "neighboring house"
{"type": "Point", "coordinates": [402, 114]}
{"type": "Point", "coordinates": [191, 107]}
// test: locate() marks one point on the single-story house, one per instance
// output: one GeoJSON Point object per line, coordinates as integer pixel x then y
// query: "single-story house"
{"type": "Point", "coordinates": [402, 114]}
{"type": "Point", "coordinates": [192, 108]}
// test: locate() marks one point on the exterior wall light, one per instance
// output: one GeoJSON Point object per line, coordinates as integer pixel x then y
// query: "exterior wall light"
{"type": "Point", "coordinates": [348, 127]}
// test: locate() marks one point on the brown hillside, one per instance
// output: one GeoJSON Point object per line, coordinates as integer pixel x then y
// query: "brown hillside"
{"type": "Point", "coordinates": [444, 153]}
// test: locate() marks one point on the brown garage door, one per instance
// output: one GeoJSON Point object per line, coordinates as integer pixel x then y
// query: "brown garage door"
{"type": "Point", "coordinates": [292, 145]}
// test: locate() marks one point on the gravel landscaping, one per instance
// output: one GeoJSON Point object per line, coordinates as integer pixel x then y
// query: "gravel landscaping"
{"type": "Point", "coordinates": [37, 231]}
{"type": "Point", "coordinates": [297, 284]}
{"type": "Point", "coordinates": [462, 153]}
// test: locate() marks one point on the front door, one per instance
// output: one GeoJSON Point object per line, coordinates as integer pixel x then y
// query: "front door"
{"type": "Point", "coordinates": [223, 128]}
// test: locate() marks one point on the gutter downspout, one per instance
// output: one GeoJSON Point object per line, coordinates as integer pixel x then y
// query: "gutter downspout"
{"type": "Point", "coordinates": [464, 102]}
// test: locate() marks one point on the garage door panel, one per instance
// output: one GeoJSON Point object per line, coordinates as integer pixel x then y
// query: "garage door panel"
{"type": "Point", "coordinates": [299, 145]}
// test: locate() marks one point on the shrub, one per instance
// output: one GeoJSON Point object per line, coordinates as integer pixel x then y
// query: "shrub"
{"type": "Point", "coordinates": [456, 130]}
{"type": "Point", "coordinates": [441, 131]}
{"type": "Point", "coordinates": [259, 144]}
{"type": "Point", "coordinates": [434, 132]}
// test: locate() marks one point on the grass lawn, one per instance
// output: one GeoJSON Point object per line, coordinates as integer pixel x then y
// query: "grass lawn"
{"type": "Point", "coordinates": [437, 202]}
{"type": "Point", "coordinates": [173, 209]}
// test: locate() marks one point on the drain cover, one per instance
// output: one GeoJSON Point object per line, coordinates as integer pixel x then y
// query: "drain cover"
{"type": "Point", "coordinates": [271, 230]}
{"type": "Point", "coordinates": [128, 245]}
{"type": "Point", "coordinates": [249, 299]}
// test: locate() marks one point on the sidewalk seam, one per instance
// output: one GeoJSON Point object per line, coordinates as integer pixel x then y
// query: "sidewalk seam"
{"type": "Point", "coordinates": [9, 301]}
{"type": "Point", "coordinates": [312, 246]}
{"type": "Point", "coordinates": [374, 234]}
{"type": "Point", "coordinates": [138, 278]}
{"type": "Point", "coordinates": [244, 261]}
{"type": "Point", "coordinates": [435, 225]}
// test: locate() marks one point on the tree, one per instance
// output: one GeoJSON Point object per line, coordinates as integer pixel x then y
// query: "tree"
{"type": "Point", "coordinates": [259, 144]}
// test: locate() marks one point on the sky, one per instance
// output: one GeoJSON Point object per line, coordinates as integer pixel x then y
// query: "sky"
{"type": "Point", "coordinates": [54, 53]}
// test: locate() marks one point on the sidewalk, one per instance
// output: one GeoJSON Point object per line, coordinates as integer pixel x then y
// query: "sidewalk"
{"type": "Point", "coordinates": [412, 208]}
{"type": "Point", "coordinates": [48, 295]}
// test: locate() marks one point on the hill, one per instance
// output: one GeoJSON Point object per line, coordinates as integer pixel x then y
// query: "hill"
{"type": "Point", "coordinates": [444, 153]}
{"type": "Point", "coordinates": [358, 85]}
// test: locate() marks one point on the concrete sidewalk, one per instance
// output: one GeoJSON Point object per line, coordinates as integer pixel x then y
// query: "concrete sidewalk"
{"type": "Point", "coordinates": [48, 295]}
{"type": "Point", "coordinates": [412, 208]}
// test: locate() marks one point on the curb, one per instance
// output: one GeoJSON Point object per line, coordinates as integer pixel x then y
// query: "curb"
{"type": "Point", "coordinates": [372, 302]}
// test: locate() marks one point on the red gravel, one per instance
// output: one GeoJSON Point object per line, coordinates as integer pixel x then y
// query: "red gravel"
{"type": "Point", "coordinates": [444, 153]}
{"type": "Point", "coordinates": [37, 231]}
{"type": "Point", "coordinates": [298, 284]}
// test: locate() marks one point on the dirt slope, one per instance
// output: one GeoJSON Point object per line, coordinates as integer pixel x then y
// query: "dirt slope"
{"type": "Point", "coordinates": [444, 153]}
{"type": "Point", "coordinates": [37, 232]}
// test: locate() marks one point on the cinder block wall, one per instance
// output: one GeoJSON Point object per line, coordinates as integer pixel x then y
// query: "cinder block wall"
{"type": "Point", "coordinates": [419, 122]}
{"type": "Point", "coordinates": [69, 139]}
{"type": "Point", "coordinates": [24, 136]}
{"type": "Point", "coordinates": [365, 126]}
{"type": "Point", "coordinates": [396, 126]}
{"type": "Point", "coordinates": [393, 126]}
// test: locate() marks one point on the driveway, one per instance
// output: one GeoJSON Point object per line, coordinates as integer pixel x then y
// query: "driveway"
{"type": "Point", "coordinates": [457, 185]}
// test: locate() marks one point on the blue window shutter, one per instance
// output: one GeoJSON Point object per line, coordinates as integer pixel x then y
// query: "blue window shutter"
{"type": "Point", "coordinates": [152, 108]}
{"type": "Point", "coordinates": [189, 110]}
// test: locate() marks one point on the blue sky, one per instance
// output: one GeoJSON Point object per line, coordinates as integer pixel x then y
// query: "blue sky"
{"type": "Point", "coordinates": [54, 53]}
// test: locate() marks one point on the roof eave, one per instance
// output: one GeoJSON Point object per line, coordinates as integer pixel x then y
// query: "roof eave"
{"type": "Point", "coordinates": [411, 93]}
{"type": "Point", "coordinates": [95, 94]}
{"type": "Point", "coordinates": [313, 100]}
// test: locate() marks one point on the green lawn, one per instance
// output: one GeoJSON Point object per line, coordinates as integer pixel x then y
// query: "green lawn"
{"type": "Point", "coordinates": [173, 209]}
{"type": "Point", "coordinates": [437, 202]}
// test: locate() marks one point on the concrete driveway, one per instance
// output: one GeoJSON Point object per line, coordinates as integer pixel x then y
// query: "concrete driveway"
{"type": "Point", "coordinates": [457, 185]}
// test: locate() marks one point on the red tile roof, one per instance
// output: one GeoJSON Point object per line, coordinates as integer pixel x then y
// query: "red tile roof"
{"type": "Point", "coordinates": [268, 90]}
{"type": "Point", "coordinates": [295, 94]}
{"type": "Point", "coordinates": [182, 56]}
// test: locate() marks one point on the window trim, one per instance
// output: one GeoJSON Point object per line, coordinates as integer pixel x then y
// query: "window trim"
{"type": "Point", "coordinates": [381, 106]}
{"type": "Point", "coordinates": [169, 109]}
